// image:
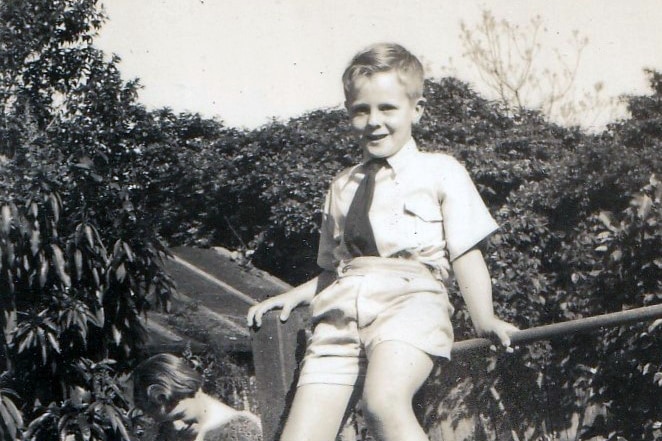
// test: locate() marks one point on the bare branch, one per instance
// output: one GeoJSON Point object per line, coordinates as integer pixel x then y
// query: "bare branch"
{"type": "Point", "coordinates": [509, 60]}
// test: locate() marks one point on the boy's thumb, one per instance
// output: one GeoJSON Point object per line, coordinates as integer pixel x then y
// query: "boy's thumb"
{"type": "Point", "coordinates": [503, 336]}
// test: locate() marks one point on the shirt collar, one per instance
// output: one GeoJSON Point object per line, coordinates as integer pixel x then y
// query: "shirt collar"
{"type": "Point", "coordinates": [399, 160]}
{"type": "Point", "coordinates": [402, 157]}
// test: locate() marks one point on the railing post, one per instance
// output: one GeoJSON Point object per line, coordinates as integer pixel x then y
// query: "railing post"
{"type": "Point", "coordinates": [277, 350]}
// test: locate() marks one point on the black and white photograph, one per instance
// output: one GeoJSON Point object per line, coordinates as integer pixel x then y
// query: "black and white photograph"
{"type": "Point", "coordinates": [297, 220]}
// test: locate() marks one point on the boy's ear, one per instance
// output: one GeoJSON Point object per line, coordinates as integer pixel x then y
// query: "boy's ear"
{"type": "Point", "coordinates": [419, 109]}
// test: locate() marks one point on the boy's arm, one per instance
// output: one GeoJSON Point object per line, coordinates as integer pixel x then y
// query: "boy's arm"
{"type": "Point", "coordinates": [301, 295]}
{"type": "Point", "coordinates": [475, 285]}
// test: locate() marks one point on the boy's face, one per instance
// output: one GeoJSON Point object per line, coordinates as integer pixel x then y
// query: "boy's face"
{"type": "Point", "coordinates": [382, 113]}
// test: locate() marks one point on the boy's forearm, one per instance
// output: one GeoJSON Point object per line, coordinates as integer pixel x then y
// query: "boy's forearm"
{"type": "Point", "coordinates": [475, 284]}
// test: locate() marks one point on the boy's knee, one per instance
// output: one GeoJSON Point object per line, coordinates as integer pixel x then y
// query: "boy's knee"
{"type": "Point", "coordinates": [384, 404]}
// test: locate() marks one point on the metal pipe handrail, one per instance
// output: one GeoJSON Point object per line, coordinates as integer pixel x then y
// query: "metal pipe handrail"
{"type": "Point", "coordinates": [554, 330]}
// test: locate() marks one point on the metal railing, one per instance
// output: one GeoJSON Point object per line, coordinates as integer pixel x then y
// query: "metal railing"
{"type": "Point", "coordinates": [555, 330]}
{"type": "Point", "coordinates": [278, 347]}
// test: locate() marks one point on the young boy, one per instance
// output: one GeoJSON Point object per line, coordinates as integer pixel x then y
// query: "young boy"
{"type": "Point", "coordinates": [380, 310]}
{"type": "Point", "coordinates": [170, 392]}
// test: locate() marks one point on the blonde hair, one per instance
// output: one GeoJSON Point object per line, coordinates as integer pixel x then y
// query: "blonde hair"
{"type": "Point", "coordinates": [385, 57]}
{"type": "Point", "coordinates": [162, 381]}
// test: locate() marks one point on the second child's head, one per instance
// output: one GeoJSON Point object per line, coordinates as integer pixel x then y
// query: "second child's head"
{"type": "Point", "coordinates": [161, 382]}
{"type": "Point", "coordinates": [384, 97]}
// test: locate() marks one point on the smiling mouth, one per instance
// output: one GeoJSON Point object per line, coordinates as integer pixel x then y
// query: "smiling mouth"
{"type": "Point", "coordinates": [373, 138]}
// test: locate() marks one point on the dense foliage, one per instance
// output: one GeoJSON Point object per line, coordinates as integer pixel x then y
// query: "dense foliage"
{"type": "Point", "coordinates": [579, 236]}
{"type": "Point", "coordinates": [77, 258]}
{"type": "Point", "coordinates": [92, 182]}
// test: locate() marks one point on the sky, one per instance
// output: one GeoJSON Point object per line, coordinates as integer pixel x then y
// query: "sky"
{"type": "Point", "coordinates": [246, 62]}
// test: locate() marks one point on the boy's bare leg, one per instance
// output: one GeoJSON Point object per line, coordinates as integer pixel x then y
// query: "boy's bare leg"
{"type": "Point", "coordinates": [396, 371]}
{"type": "Point", "coordinates": [317, 412]}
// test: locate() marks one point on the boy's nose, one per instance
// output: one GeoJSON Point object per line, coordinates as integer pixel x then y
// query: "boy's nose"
{"type": "Point", "coordinates": [374, 119]}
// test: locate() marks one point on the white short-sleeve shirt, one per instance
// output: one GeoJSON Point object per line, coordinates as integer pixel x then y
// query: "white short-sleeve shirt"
{"type": "Point", "coordinates": [425, 207]}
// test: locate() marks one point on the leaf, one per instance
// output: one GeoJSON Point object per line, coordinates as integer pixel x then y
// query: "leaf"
{"type": "Point", "coordinates": [35, 242]}
{"type": "Point", "coordinates": [34, 209]}
{"type": "Point", "coordinates": [78, 262]}
{"type": "Point", "coordinates": [43, 269]}
{"type": "Point", "coordinates": [645, 204]}
{"type": "Point", "coordinates": [85, 163]}
{"type": "Point", "coordinates": [99, 317]}
{"type": "Point", "coordinates": [605, 218]}
{"type": "Point", "coordinates": [117, 335]}
{"type": "Point", "coordinates": [10, 325]}
{"type": "Point", "coordinates": [89, 236]}
{"type": "Point", "coordinates": [26, 342]}
{"type": "Point", "coordinates": [84, 427]}
{"type": "Point", "coordinates": [8, 421]}
{"type": "Point", "coordinates": [116, 421]}
{"type": "Point", "coordinates": [42, 344]}
{"type": "Point", "coordinates": [10, 282]}
{"type": "Point", "coordinates": [127, 250]}
{"type": "Point", "coordinates": [62, 425]}
{"type": "Point", "coordinates": [95, 276]}
{"type": "Point", "coordinates": [58, 262]}
{"type": "Point", "coordinates": [13, 410]}
{"type": "Point", "coordinates": [10, 253]}
{"type": "Point", "coordinates": [120, 273]}
{"type": "Point", "coordinates": [117, 247]}
{"type": "Point", "coordinates": [53, 341]}
{"type": "Point", "coordinates": [5, 224]}
{"type": "Point", "coordinates": [55, 207]}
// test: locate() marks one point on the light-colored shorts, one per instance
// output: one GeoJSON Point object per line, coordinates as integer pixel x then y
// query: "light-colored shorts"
{"type": "Point", "coordinates": [374, 299]}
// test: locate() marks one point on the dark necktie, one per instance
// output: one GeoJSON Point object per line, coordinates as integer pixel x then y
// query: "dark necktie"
{"type": "Point", "coordinates": [359, 238]}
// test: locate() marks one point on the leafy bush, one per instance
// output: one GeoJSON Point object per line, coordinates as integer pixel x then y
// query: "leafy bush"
{"type": "Point", "coordinates": [549, 187]}
{"type": "Point", "coordinates": [78, 259]}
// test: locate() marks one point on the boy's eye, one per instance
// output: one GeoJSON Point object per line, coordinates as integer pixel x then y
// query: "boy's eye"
{"type": "Point", "coordinates": [359, 110]}
{"type": "Point", "coordinates": [387, 107]}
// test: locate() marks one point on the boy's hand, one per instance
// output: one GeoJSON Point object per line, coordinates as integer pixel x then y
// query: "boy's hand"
{"type": "Point", "coordinates": [301, 295]}
{"type": "Point", "coordinates": [283, 301]}
{"type": "Point", "coordinates": [502, 330]}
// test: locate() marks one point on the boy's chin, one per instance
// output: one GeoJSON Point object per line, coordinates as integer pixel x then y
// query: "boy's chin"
{"type": "Point", "coordinates": [380, 151]}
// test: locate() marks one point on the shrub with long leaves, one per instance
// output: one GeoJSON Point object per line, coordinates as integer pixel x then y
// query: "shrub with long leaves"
{"type": "Point", "coordinates": [79, 261]}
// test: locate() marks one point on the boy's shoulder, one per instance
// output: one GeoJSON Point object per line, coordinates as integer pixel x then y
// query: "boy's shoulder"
{"type": "Point", "coordinates": [436, 163]}
{"type": "Point", "coordinates": [438, 158]}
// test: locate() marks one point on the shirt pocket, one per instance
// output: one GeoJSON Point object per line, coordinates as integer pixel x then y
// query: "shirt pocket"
{"type": "Point", "coordinates": [424, 209]}
{"type": "Point", "coordinates": [425, 222]}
